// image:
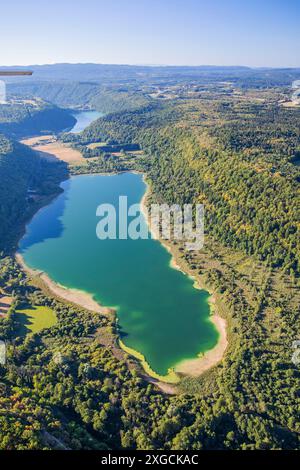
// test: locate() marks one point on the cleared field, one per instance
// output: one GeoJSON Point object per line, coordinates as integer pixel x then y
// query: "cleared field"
{"type": "Point", "coordinates": [35, 319]}
{"type": "Point", "coordinates": [50, 148]}
{"type": "Point", "coordinates": [291, 104]}
{"type": "Point", "coordinates": [33, 141]}
{"type": "Point", "coordinates": [96, 145]}
{"type": "Point", "coordinates": [5, 303]}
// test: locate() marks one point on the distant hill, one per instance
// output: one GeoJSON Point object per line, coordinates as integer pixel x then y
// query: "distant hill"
{"type": "Point", "coordinates": [99, 72]}
{"type": "Point", "coordinates": [22, 118]}
{"type": "Point", "coordinates": [74, 95]}
{"type": "Point", "coordinates": [21, 169]}
{"type": "Point", "coordinates": [106, 74]}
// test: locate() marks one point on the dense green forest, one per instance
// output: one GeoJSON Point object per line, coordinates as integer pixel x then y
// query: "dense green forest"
{"type": "Point", "coordinates": [27, 182]}
{"type": "Point", "coordinates": [70, 386]}
{"type": "Point", "coordinates": [21, 119]}
{"type": "Point", "coordinates": [82, 94]}
{"type": "Point", "coordinates": [242, 169]}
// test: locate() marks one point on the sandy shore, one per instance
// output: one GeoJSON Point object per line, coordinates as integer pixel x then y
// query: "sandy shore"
{"type": "Point", "coordinates": [84, 300]}
{"type": "Point", "coordinates": [192, 367]}
{"type": "Point", "coordinates": [74, 296]}
{"type": "Point", "coordinates": [195, 367]}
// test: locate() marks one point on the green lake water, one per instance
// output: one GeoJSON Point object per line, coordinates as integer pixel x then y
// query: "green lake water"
{"type": "Point", "coordinates": [160, 314]}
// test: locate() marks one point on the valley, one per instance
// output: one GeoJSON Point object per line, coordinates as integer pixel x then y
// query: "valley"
{"type": "Point", "coordinates": [217, 137]}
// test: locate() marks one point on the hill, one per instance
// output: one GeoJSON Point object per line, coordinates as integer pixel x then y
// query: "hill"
{"type": "Point", "coordinates": [21, 118]}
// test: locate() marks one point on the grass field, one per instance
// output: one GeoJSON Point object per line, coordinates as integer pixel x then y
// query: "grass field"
{"type": "Point", "coordinates": [35, 319]}
{"type": "Point", "coordinates": [51, 148]}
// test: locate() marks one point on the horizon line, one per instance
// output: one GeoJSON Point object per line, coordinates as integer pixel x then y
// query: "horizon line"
{"type": "Point", "coordinates": [151, 65]}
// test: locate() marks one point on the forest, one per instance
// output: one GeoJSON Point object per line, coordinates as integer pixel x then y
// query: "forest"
{"type": "Point", "coordinates": [21, 120]}
{"type": "Point", "coordinates": [27, 183]}
{"type": "Point", "coordinates": [70, 386]}
{"type": "Point", "coordinates": [243, 169]}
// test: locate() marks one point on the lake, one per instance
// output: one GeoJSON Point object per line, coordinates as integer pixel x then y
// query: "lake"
{"type": "Point", "coordinates": [84, 119]}
{"type": "Point", "coordinates": [160, 313]}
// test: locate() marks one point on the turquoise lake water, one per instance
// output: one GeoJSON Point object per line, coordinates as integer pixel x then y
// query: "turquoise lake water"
{"type": "Point", "coordinates": [160, 313]}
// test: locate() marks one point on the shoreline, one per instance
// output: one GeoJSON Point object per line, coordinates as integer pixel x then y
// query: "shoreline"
{"type": "Point", "coordinates": [205, 361]}
{"type": "Point", "coordinates": [74, 296]}
{"type": "Point", "coordinates": [170, 378]}
{"type": "Point", "coordinates": [196, 367]}
{"type": "Point", "coordinates": [187, 367]}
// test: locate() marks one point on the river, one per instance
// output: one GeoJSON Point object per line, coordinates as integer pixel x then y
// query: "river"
{"type": "Point", "coordinates": [84, 119]}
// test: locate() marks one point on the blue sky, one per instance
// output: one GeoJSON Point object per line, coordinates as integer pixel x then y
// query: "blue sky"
{"type": "Point", "coordinates": [178, 32]}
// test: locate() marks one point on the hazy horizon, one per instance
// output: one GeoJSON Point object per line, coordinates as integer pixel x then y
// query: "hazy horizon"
{"type": "Point", "coordinates": [144, 32]}
{"type": "Point", "coordinates": [150, 65]}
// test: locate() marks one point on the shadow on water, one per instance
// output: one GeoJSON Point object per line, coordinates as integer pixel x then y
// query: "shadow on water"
{"type": "Point", "coordinates": [40, 229]}
{"type": "Point", "coordinates": [122, 333]}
